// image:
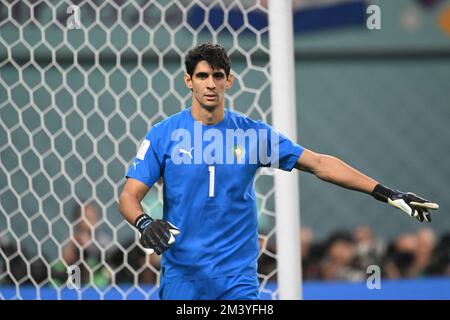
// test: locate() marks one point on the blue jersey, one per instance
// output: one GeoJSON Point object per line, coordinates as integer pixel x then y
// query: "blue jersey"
{"type": "Point", "coordinates": [208, 173]}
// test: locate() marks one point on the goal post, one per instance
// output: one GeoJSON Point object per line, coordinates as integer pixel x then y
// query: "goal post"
{"type": "Point", "coordinates": [282, 68]}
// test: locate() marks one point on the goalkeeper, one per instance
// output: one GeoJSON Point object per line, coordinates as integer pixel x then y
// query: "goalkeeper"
{"type": "Point", "coordinates": [208, 235]}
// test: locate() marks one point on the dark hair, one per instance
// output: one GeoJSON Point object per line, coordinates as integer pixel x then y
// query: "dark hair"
{"type": "Point", "coordinates": [340, 236]}
{"type": "Point", "coordinates": [214, 54]}
{"type": "Point", "coordinates": [79, 209]}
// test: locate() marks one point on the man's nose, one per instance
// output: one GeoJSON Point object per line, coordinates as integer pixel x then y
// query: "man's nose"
{"type": "Point", "coordinates": [210, 83]}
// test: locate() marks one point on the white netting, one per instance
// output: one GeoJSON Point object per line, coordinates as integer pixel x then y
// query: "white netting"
{"type": "Point", "coordinates": [74, 106]}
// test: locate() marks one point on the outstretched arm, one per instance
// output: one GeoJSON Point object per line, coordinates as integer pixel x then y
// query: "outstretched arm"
{"type": "Point", "coordinates": [334, 170]}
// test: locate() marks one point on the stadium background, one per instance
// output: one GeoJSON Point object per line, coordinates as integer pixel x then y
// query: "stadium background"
{"type": "Point", "coordinates": [379, 99]}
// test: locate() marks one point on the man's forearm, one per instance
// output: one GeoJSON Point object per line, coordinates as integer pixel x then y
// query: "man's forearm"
{"type": "Point", "coordinates": [336, 171]}
{"type": "Point", "coordinates": [130, 207]}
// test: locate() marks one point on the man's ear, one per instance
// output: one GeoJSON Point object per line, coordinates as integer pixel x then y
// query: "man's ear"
{"type": "Point", "coordinates": [230, 81]}
{"type": "Point", "coordinates": [188, 81]}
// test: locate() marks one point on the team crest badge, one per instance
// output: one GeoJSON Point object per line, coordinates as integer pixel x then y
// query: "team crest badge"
{"type": "Point", "coordinates": [239, 153]}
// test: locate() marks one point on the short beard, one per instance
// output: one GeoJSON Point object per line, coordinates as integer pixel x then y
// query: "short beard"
{"type": "Point", "coordinates": [209, 108]}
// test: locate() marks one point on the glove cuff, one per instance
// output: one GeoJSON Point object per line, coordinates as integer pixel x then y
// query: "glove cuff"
{"type": "Point", "coordinates": [142, 222]}
{"type": "Point", "coordinates": [382, 193]}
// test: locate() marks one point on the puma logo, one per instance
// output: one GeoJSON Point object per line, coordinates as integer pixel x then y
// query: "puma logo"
{"type": "Point", "coordinates": [189, 153]}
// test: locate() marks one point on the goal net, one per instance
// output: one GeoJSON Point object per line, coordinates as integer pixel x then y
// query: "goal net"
{"type": "Point", "coordinates": [81, 82]}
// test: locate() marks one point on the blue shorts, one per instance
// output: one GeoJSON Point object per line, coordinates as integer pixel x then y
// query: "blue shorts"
{"type": "Point", "coordinates": [240, 287]}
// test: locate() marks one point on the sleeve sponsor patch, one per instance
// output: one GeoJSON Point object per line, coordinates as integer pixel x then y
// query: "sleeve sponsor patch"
{"type": "Point", "coordinates": [143, 149]}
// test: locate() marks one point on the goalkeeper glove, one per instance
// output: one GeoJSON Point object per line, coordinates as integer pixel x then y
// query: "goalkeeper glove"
{"type": "Point", "coordinates": [408, 202]}
{"type": "Point", "coordinates": [156, 235]}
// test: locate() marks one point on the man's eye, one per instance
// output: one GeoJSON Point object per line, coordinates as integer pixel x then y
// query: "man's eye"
{"type": "Point", "coordinates": [219, 75]}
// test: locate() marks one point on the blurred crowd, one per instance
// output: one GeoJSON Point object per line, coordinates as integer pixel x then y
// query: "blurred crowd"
{"type": "Point", "coordinates": [344, 255]}
{"type": "Point", "coordinates": [100, 259]}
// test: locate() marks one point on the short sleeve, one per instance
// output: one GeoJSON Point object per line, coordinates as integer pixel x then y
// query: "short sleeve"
{"type": "Point", "coordinates": [146, 166]}
{"type": "Point", "coordinates": [276, 150]}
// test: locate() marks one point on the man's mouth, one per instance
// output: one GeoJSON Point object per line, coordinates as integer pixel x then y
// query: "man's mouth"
{"type": "Point", "coordinates": [210, 96]}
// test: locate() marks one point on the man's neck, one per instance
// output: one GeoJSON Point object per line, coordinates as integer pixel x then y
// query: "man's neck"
{"type": "Point", "coordinates": [207, 116]}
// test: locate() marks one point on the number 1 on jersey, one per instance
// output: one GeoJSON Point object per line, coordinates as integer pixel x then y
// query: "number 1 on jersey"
{"type": "Point", "coordinates": [212, 173]}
